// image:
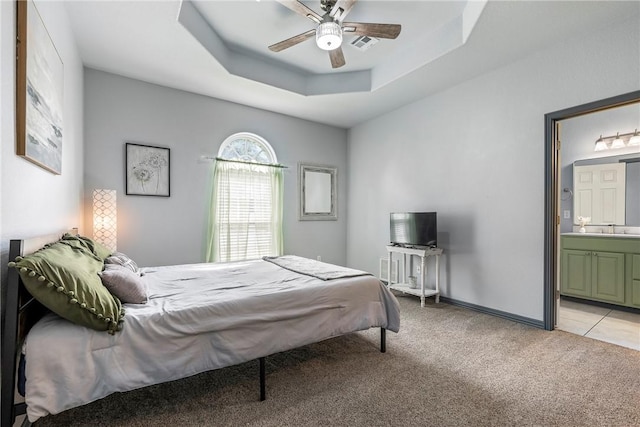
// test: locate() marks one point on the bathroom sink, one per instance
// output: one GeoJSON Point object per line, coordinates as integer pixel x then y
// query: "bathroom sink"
{"type": "Point", "coordinates": [627, 236]}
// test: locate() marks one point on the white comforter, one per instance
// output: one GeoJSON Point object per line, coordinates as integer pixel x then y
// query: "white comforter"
{"type": "Point", "coordinates": [199, 317]}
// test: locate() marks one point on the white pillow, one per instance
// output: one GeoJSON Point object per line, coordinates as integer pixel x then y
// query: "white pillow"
{"type": "Point", "coordinates": [118, 258]}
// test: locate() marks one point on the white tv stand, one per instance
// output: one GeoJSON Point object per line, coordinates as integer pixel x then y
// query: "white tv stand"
{"type": "Point", "coordinates": [420, 291]}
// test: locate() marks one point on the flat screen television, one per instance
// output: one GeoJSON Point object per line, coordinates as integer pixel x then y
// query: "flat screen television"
{"type": "Point", "coordinates": [414, 229]}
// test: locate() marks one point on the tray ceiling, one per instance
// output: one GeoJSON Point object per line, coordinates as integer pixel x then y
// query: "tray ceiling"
{"type": "Point", "coordinates": [219, 48]}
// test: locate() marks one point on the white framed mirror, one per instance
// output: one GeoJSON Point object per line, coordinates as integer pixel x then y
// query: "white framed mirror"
{"type": "Point", "coordinates": [318, 192]}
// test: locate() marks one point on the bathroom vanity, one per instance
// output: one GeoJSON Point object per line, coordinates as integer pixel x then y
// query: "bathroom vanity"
{"type": "Point", "coordinates": [601, 267]}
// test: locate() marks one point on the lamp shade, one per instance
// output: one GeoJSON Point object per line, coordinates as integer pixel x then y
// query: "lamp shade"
{"type": "Point", "coordinates": [329, 36]}
{"type": "Point", "coordinates": [105, 218]}
{"type": "Point", "coordinates": [600, 144]}
{"type": "Point", "coordinates": [617, 142]}
{"type": "Point", "coordinates": [635, 139]}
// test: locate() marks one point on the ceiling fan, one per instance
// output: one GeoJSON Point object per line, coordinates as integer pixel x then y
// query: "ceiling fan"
{"type": "Point", "coordinates": [331, 28]}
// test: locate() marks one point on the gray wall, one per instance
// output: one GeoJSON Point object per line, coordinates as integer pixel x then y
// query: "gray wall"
{"type": "Point", "coordinates": [578, 137]}
{"type": "Point", "coordinates": [475, 154]}
{"type": "Point", "coordinates": [161, 231]}
{"type": "Point", "coordinates": [32, 200]}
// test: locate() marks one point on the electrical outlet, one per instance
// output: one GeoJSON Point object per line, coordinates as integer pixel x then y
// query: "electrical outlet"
{"type": "Point", "coordinates": [319, 258]}
{"type": "Point", "coordinates": [567, 214]}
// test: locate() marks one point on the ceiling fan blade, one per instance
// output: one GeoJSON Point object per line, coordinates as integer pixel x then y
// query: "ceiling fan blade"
{"type": "Point", "coordinates": [341, 8]}
{"type": "Point", "coordinates": [292, 41]}
{"type": "Point", "coordinates": [382, 31]}
{"type": "Point", "coordinates": [337, 58]}
{"type": "Point", "coordinates": [301, 9]}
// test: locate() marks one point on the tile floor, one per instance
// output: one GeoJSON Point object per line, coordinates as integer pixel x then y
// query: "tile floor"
{"type": "Point", "coordinates": [600, 323]}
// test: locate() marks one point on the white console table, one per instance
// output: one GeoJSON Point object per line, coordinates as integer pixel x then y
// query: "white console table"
{"type": "Point", "coordinates": [421, 290]}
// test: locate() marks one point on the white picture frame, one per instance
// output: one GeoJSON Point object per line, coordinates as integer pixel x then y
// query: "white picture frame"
{"type": "Point", "coordinates": [318, 192]}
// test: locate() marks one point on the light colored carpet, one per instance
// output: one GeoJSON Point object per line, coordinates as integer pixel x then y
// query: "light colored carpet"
{"type": "Point", "coordinates": [448, 366]}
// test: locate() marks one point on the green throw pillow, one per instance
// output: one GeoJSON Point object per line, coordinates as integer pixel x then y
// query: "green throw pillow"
{"type": "Point", "coordinates": [65, 280]}
{"type": "Point", "coordinates": [80, 246]}
{"type": "Point", "coordinates": [94, 247]}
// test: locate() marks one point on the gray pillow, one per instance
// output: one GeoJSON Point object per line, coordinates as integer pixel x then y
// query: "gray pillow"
{"type": "Point", "coordinates": [118, 258]}
{"type": "Point", "coordinates": [124, 284]}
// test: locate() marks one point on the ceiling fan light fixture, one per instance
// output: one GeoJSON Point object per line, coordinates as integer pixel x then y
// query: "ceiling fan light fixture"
{"type": "Point", "coordinates": [329, 36]}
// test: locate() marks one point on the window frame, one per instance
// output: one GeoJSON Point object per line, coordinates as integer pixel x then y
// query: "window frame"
{"type": "Point", "coordinates": [253, 138]}
{"type": "Point", "coordinates": [255, 153]}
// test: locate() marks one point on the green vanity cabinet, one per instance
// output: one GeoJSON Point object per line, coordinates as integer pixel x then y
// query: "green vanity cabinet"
{"type": "Point", "coordinates": [601, 268]}
{"type": "Point", "coordinates": [608, 277]}
{"type": "Point", "coordinates": [634, 293]}
{"type": "Point", "coordinates": [593, 274]}
{"type": "Point", "coordinates": [576, 273]}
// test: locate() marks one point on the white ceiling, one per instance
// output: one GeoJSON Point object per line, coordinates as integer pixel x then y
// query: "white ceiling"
{"type": "Point", "coordinates": [305, 69]}
{"type": "Point", "coordinates": [251, 26]}
{"type": "Point", "coordinates": [144, 40]}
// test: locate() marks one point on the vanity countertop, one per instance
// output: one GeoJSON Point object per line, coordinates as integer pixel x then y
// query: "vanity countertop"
{"type": "Point", "coordinates": [624, 236]}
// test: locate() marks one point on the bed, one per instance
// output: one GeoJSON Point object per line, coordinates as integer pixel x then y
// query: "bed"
{"type": "Point", "coordinates": [198, 317]}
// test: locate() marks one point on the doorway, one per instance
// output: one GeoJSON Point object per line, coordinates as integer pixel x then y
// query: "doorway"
{"type": "Point", "coordinates": [553, 195]}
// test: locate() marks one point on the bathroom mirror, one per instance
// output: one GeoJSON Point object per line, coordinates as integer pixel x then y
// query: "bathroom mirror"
{"type": "Point", "coordinates": [607, 190]}
{"type": "Point", "coordinates": [317, 192]}
{"type": "Point", "coordinates": [579, 135]}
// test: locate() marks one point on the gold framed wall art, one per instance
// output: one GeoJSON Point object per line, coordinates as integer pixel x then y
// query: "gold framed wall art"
{"type": "Point", "coordinates": [39, 91]}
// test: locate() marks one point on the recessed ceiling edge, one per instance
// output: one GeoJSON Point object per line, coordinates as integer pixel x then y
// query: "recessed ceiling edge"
{"type": "Point", "coordinates": [266, 72]}
{"type": "Point", "coordinates": [263, 70]}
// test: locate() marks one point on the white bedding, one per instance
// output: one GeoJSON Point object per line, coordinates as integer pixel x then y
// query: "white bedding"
{"type": "Point", "coordinates": [317, 269]}
{"type": "Point", "coordinates": [199, 317]}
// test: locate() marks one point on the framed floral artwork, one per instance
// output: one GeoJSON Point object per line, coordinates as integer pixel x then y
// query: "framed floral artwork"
{"type": "Point", "coordinates": [147, 170]}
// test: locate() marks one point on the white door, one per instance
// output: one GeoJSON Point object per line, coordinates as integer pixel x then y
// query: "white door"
{"type": "Point", "coordinates": [599, 193]}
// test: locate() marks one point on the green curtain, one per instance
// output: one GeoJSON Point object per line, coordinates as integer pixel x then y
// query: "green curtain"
{"type": "Point", "coordinates": [245, 215]}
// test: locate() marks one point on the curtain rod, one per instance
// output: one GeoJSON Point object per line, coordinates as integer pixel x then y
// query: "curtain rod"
{"type": "Point", "coordinates": [273, 165]}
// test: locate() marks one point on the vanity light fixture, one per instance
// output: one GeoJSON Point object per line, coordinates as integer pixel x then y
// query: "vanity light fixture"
{"type": "Point", "coordinates": [600, 144]}
{"type": "Point", "coordinates": [617, 141]}
{"type": "Point", "coordinates": [635, 139]}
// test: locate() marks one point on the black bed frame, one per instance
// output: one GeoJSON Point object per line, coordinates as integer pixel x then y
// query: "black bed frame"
{"type": "Point", "coordinates": [22, 311]}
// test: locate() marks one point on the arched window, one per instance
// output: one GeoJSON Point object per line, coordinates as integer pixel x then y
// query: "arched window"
{"type": "Point", "coordinates": [245, 220]}
{"type": "Point", "coordinates": [247, 147]}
